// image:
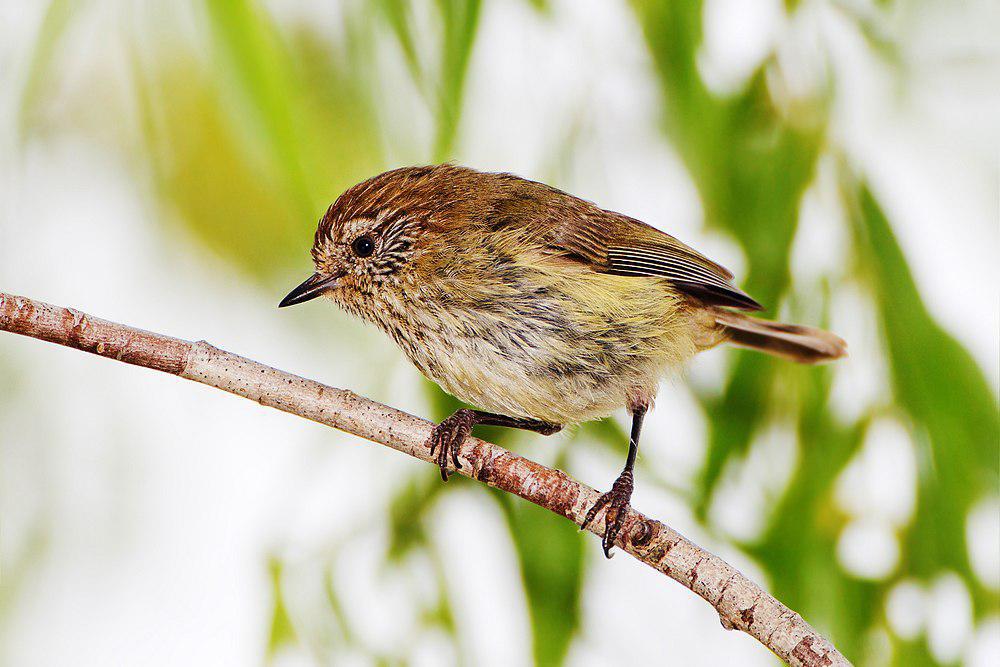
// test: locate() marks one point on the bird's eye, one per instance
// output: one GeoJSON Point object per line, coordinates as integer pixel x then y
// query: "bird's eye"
{"type": "Point", "coordinates": [363, 246]}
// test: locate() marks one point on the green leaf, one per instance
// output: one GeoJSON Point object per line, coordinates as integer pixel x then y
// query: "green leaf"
{"type": "Point", "coordinates": [952, 411]}
{"type": "Point", "coordinates": [460, 21]}
{"type": "Point", "coordinates": [551, 553]}
{"type": "Point", "coordinates": [249, 150]}
{"type": "Point", "coordinates": [257, 67]}
{"type": "Point", "coordinates": [398, 15]}
{"type": "Point", "coordinates": [407, 514]}
{"type": "Point", "coordinates": [799, 543]}
{"type": "Point", "coordinates": [281, 632]}
{"type": "Point", "coordinates": [58, 17]}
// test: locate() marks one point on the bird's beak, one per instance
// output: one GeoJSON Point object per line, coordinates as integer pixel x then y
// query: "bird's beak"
{"type": "Point", "coordinates": [311, 288]}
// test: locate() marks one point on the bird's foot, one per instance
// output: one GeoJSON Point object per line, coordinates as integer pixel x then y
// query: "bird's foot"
{"type": "Point", "coordinates": [447, 438]}
{"type": "Point", "coordinates": [617, 501]}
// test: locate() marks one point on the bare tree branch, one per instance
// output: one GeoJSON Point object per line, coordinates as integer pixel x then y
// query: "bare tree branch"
{"type": "Point", "coordinates": [741, 604]}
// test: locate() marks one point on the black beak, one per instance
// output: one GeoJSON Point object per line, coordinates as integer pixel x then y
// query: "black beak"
{"type": "Point", "coordinates": [313, 287]}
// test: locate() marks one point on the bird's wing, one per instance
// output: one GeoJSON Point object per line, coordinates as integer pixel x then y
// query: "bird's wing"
{"type": "Point", "coordinates": [616, 244]}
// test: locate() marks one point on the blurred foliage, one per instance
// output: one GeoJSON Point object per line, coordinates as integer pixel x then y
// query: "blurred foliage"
{"type": "Point", "coordinates": [959, 439]}
{"type": "Point", "coordinates": [751, 167]}
{"type": "Point", "coordinates": [458, 21]}
{"type": "Point", "coordinates": [752, 155]}
{"type": "Point", "coordinates": [282, 631]}
{"type": "Point", "coordinates": [250, 149]}
{"type": "Point", "coordinates": [550, 550]}
{"type": "Point", "coordinates": [249, 130]}
{"type": "Point", "coordinates": [552, 564]}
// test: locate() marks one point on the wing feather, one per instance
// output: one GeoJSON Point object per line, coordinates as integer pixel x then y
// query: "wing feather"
{"type": "Point", "coordinates": [616, 244]}
{"type": "Point", "coordinates": [609, 242]}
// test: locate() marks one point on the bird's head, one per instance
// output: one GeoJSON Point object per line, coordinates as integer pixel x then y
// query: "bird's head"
{"type": "Point", "coordinates": [373, 236]}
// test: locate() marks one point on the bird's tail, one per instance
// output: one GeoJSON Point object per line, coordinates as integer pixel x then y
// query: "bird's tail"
{"type": "Point", "coordinates": [805, 345]}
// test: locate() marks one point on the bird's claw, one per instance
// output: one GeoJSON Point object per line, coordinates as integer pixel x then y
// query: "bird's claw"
{"type": "Point", "coordinates": [447, 437]}
{"type": "Point", "coordinates": [617, 501]}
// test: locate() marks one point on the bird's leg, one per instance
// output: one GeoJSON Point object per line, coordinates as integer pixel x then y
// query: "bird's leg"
{"type": "Point", "coordinates": [447, 437]}
{"type": "Point", "coordinates": [617, 499]}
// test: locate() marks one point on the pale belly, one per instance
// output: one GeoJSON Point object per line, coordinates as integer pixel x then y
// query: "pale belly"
{"type": "Point", "coordinates": [540, 359]}
{"type": "Point", "coordinates": [527, 383]}
{"type": "Point", "coordinates": [548, 343]}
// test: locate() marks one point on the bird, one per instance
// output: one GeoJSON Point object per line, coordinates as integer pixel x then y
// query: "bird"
{"type": "Point", "coordinates": [537, 307]}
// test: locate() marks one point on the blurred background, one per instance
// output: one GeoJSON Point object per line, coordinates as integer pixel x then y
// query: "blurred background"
{"type": "Point", "coordinates": [164, 164]}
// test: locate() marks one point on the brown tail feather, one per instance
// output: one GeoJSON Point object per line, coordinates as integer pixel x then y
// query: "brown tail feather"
{"type": "Point", "coordinates": [805, 345]}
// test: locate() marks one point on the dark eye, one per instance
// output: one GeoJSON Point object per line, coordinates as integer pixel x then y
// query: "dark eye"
{"type": "Point", "coordinates": [363, 246]}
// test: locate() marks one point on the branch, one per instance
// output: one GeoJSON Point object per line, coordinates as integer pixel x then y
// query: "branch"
{"type": "Point", "coordinates": [741, 604]}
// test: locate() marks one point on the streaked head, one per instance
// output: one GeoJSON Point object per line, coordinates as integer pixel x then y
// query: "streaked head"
{"type": "Point", "coordinates": [368, 238]}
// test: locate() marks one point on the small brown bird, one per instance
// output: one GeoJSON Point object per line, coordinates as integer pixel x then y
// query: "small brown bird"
{"type": "Point", "coordinates": [537, 306]}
